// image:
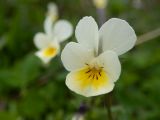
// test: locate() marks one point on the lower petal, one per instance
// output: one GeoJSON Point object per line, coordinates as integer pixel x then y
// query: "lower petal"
{"type": "Point", "coordinates": [88, 83]}
{"type": "Point", "coordinates": [47, 54]}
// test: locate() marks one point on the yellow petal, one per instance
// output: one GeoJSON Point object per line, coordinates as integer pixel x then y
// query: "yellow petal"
{"type": "Point", "coordinates": [47, 54]}
{"type": "Point", "coordinates": [91, 77]}
{"type": "Point", "coordinates": [89, 81]}
{"type": "Point", "coordinates": [50, 51]}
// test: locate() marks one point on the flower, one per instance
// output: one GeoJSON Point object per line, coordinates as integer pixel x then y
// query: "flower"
{"type": "Point", "coordinates": [93, 61]}
{"type": "Point", "coordinates": [78, 117]}
{"type": "Point", "coordinates": [52, 11]}
{"type": "Point", "coordinates": [100, 4]}
{"type": "Point", "coordinates": [48, 43]}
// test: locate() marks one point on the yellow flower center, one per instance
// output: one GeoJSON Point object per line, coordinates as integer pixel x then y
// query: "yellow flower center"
{"type": "Point", "coordinates": [94, 73]}
{"type": "Point", "coordinates": [91, 76]}
{"type": "Point", "coordinates": [49, 52]}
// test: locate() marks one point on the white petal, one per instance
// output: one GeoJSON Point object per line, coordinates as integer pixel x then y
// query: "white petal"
{"type": "Point", "coordinates": [75, 55]}
{"type": "Point", "coordinates": [78, 82]}
{"type": "Point", "coordinates": [87, 33]}
{"type": "Point", "coordinates": [117, 35]}
{"type": "Point", "coordinates": [48, 25]}
{"type": "Point", "coordinates": [52, 6]}
{"type": "Point", "coordinates": [53, 10]}
{"type": "Point", "coordinates": [109, 60]}
{"type": "Point", "coordinates": [41, 40]}
{"type": "Point", "coordinates": [62, 30]}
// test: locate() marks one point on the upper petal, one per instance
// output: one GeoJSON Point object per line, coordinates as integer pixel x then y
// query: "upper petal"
{"type": "Point", "coordinates": [62, 30]}
{"type": "Point", "coordinates": [52, 10]}
{"type": "Point", "coordinates": [41, 40]}
{"type": "Point", "coordinates": [109, 60]}
{"type": "Point", "coordinates": [74, 56]}
{"type": "Point", "coordinates": [87, 33]}
{"type": "Point", "coordinates": [117, 35]}
{"type": "Point", "coordinates": [48, 25]}
{"type": "Point", "coordinates": [52, 15]}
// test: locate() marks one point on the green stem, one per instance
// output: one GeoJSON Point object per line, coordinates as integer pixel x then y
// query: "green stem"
{"type": "Point", "coordinates": [148, 36]}
{"type": "Point", "coordinates": [109, 103]}
{"type": "Point", "coordinates": [101, 16]}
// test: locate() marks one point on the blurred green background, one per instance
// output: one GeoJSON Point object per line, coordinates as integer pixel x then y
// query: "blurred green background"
{"type": "Point", "coordinates": [31, 91]}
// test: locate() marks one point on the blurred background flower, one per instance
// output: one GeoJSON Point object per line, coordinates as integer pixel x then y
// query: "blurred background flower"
{"type": "Point", "coordinates": [52, 11]}
{"type": "Point", "coordinates": [56, 31]}
{"type": "Point", "coordinates": [100, 3]}
{"type": "Point", "coordinates": [30, 91]}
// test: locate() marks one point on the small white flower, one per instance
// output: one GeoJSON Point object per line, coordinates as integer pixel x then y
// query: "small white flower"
{"type": "Point", "coordinates": [48, 43]}
{"type": "Point", "coordinates": [100, 3]}
{"type": "Point", "coordinates": [52, 11]}
{"type": "Point", "coordinates": [93, 61]}
{"type": "Point", "coordinates": [78, 117]}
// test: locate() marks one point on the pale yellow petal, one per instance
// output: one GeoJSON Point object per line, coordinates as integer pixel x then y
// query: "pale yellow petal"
{"type": "Point", "coordinates": [48, 53]}
{"type": "Point", "coordinates": [110, 61]}
{"type": "Point", "coordinates": [89, 82]}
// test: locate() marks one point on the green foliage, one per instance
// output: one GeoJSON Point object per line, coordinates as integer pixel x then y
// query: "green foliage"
{"type": "Point", "coordinates": [30, 90]}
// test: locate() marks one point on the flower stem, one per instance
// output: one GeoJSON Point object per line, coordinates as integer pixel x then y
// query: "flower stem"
{"type": "Point", "coordinates": [148, 36]}
{"type": "Point", "coordinates": [101, 16]}
{"type": "Point", "coordinates": [109, 103]}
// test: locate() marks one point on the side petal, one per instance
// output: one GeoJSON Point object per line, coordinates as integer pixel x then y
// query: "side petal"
{"type": "Point", "coordinates": [62, 30]}
{"type": "Point", "coordinates": [117, 35]}
{"type": "Point", "coordinates": [41, 40]}
{"type": "Point", "coordinates": [109, 60]}
{"type": "Point", "coordinates": [81, 83]}
{"type": "Point", "coordinates": [87, 33]}
{"type": "Point", "coordinates": [75, 56]}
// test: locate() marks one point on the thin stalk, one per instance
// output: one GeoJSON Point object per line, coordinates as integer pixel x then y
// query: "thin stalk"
{"type": "Point", "coordinates": [101, 16]}
{"type": "Point", "coordinates": [148, 36]}
{"type": "Point", "coordinates": [101, 20]}
{"type": "Point", "coordinates": [109, 104]}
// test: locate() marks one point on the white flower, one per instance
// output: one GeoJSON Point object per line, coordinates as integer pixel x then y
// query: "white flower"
{"type": "Point", "coordinates": [48, 43]}
{"type": "Point", "coordinates": [78, 117]}
{"type": "Point", "coordinates": [93, 61]}
{"type": "Point", "coordinates": [100, 3]}
{"type": "Point", "coordinates": [52, 11]}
